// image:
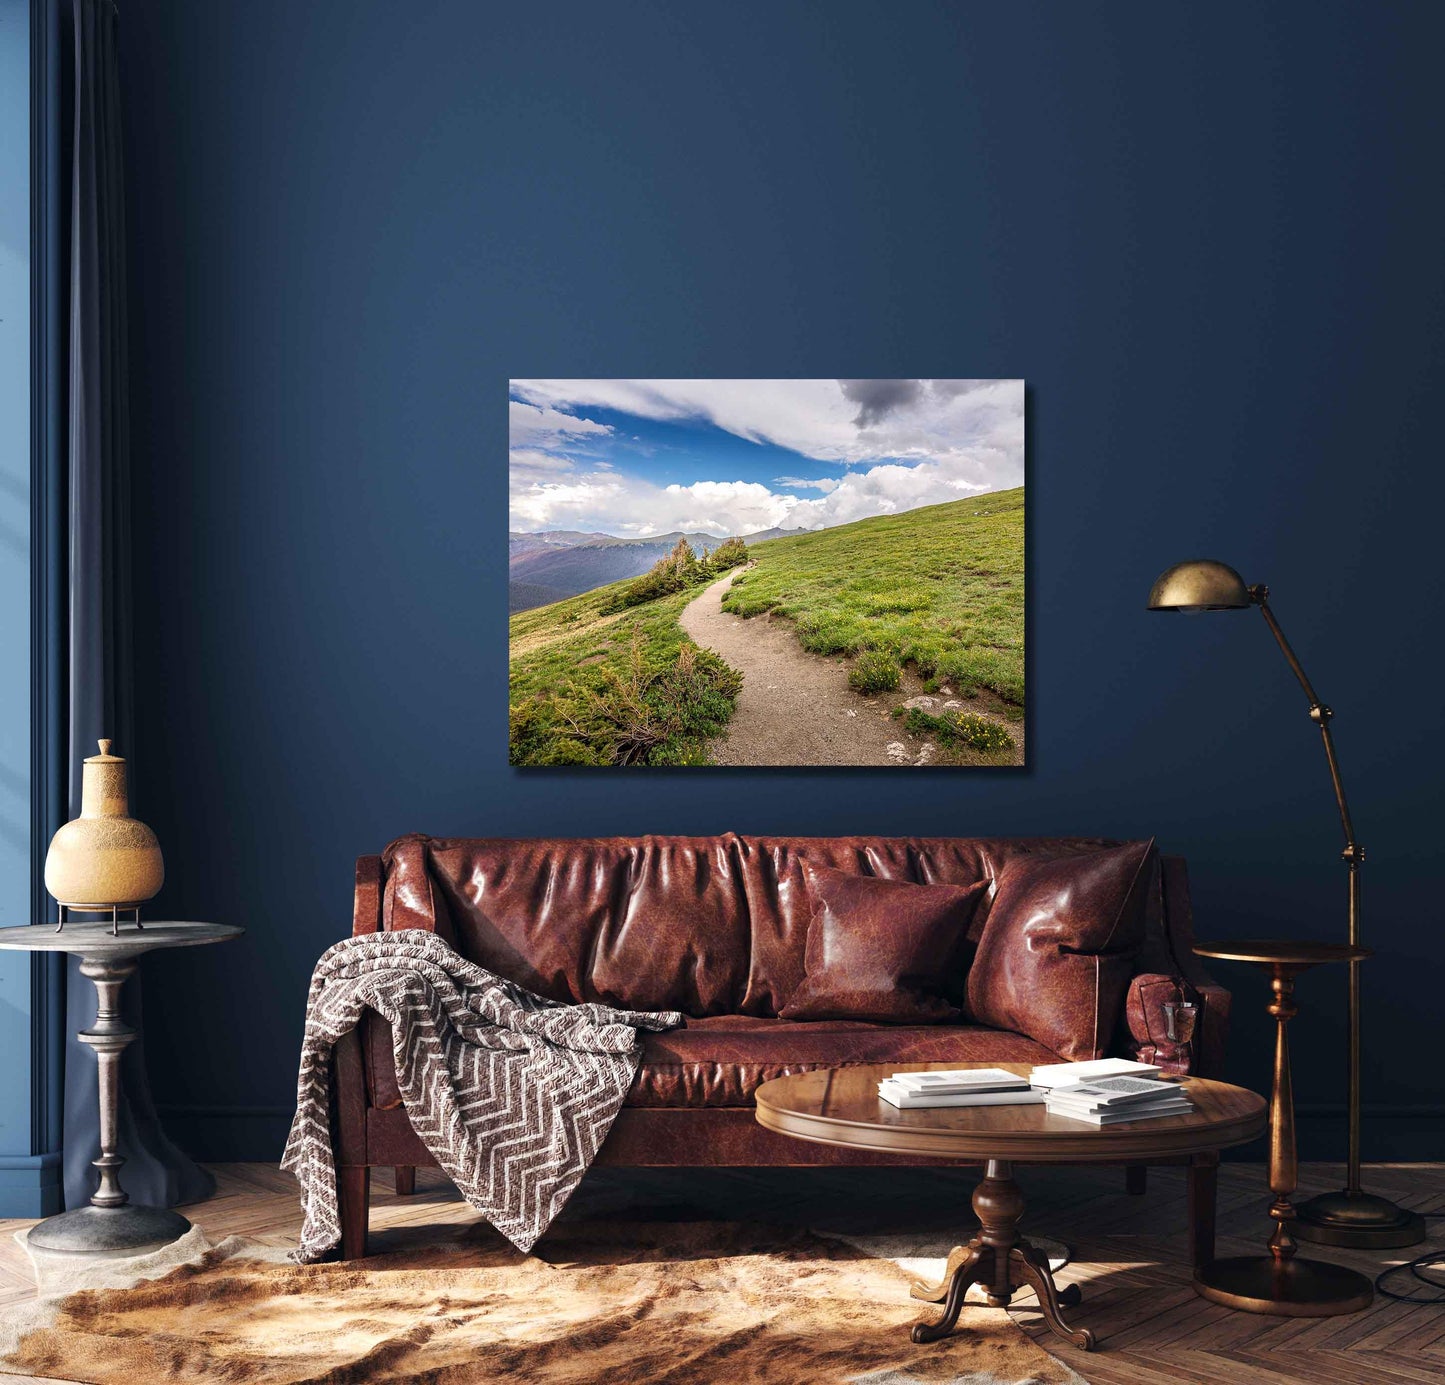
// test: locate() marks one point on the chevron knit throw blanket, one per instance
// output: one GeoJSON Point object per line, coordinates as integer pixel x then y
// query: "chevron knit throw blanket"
{"type": "Point", "coordinates": [511, 1093]}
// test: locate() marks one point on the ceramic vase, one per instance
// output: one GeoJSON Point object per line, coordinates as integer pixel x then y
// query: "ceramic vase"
{"type": "Point", "coordinates": [104, 858]}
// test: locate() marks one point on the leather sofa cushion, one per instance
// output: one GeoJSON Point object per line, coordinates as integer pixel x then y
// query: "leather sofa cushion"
{"type": "Point", "coordinates": [643, 923]}
{"type": "Point", "coordinates": [1059, 947]}
{"type": "Point", "coordinates": [885, 950]}
{"type": "Point", "coordinates": [705, 925]}
{"type": "Point", "coordinates": [722, 1061]}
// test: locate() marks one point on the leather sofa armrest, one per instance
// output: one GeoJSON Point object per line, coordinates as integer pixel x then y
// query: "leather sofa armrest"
{"type": "Point", "coordinates": [1211, 1027]}
{"type": "Point", "coordinates": [1212, 1022]}
{"type": "Point", "coordinates": [1172, 1021]}
{"type": "Point", "coordinates": [352, 1072]}
{"type": "Point", "coordinates": [1161, 1015]}
{"type": "Point", "coordinates": [410, 895]}
{"type": "Point", "coordinates": [366, 903]}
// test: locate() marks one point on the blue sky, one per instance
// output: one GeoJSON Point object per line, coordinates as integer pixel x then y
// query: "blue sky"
{"type": "Point", "coordinates": [633, 457]}
{"type": "Point", "coordinates": [680, 452]}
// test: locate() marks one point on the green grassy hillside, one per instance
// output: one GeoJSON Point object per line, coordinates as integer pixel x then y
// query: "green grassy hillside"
{"type": "Point", "coordinates": [940, 587]}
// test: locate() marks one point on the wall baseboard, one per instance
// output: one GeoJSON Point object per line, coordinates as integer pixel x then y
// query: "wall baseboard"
{"type": "Point", "coordinates": [30, 1185]}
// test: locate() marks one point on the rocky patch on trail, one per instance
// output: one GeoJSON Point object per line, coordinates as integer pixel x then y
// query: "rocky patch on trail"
{"type": "Point", "coordinates": [934, 705]}
{"type": "Point", "coordinates": [900, 754]}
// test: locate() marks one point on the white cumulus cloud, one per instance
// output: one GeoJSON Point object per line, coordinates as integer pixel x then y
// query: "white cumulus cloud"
{"type": "Point", "coordinates": [802, 483]}
{"type": "Point", "coordinates": [532, 426]}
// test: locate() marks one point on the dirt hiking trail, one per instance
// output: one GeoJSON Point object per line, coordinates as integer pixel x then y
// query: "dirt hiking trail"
{"type": "Point", "coordinates": [795, 708]}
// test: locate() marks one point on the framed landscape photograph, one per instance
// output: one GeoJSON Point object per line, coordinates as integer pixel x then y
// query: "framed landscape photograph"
{"type": "Point", "coordinates": [767, 572]}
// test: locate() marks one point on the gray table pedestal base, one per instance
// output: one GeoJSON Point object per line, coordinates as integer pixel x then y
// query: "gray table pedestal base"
{"type": "Point", "coordinates": [91, 1231]}
{"type": "Point", "coordinates": [112, 1225]}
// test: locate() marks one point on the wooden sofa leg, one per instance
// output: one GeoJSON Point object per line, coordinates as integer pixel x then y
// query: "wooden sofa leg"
{"type": "Point", "coordinates": [1136, 1179]}
{"type": "Point", "coordinates": [405, 1179]}
{"type": "Point", "coordinates": [1203, 1189]}
{"type": "Point", "coordinates": [354, 1190]}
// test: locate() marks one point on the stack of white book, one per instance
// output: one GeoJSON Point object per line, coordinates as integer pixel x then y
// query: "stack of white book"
{"type": "Point", "coordinates": [958, 1087]}
{"type": "Point", "coordinates": [1103, 1092]}
{"type": "Point", "coordinates": [1112, 1100]}
{"type": "Point", "coordinates": [1049, 1075]}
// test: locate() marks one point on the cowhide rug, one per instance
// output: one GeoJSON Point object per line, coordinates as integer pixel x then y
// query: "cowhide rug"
{"type": "Point", "coordinates": [665, 1303]}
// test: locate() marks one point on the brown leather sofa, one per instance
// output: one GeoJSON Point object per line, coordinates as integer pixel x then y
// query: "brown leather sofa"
{"type": "Point", "coordinates": [715, 927]}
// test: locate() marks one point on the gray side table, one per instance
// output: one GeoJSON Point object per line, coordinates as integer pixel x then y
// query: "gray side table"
{"type": "Point", "coordinates": [112, 1224]}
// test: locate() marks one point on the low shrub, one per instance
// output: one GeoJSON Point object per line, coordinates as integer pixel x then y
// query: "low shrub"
{"type": "Point", "coordinates": [958, 729]}
{"type": "Point", "coordinates": [680, 569]}
{"type": "Point", "coordinates": [728, 554]}
{"type": "Point", "coordinates": [875, 670]}
{"type": "Point", "coordinates": [670, 574]}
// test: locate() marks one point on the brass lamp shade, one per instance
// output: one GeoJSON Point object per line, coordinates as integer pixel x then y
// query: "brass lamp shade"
{"type": "Point", "coordinates": [1199, 585]}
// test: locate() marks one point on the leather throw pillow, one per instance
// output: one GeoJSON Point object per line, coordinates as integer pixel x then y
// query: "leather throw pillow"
{"type": "Point", "coordinates": [883, 950]}
{"type": "Point", "coordinates": [1057, 949]}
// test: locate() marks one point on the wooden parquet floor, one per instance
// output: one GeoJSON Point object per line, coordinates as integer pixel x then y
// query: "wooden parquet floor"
{"type": "Point", "coordinates": [1129, 1255]}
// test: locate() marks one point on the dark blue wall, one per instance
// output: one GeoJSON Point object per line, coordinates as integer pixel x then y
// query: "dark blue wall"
{"type": "Point", "coordinates": [1210, 237]}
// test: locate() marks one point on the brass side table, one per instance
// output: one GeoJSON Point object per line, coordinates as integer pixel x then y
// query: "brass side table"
{"type": "Point", "coordinates": [1280, 1282]}
{"type": "Point", "coordinates": [112, 1224]}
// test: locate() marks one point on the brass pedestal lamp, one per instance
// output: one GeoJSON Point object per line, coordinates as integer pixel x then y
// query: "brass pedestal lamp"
{"type": "Point", "coordinates": [1350, 1217]}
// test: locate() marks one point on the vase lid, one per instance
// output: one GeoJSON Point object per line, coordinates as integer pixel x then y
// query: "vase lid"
{"type": "Point", "coordinates": [105, 757]}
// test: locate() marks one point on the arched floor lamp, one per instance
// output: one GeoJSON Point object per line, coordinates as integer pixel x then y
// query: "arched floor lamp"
{"type": "Point", "coordinates": [1350, 1217]}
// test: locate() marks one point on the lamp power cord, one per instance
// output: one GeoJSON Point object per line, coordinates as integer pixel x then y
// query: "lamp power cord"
{"type": "Point", "coordinates": [1418, 1271]}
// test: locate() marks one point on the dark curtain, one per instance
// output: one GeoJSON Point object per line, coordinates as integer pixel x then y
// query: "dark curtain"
{"type": "Point", "coordinates": [97, 506]}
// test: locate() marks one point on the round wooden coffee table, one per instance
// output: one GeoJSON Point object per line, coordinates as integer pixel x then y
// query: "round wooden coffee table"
{"type": "Point", "coordinates": [841, 1106]}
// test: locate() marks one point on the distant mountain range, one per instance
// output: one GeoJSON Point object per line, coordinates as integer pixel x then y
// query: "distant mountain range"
{"type": "Point", "coordinates": [556, 563]}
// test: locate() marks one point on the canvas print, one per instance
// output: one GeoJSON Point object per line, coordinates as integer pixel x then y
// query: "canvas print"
{"type": "Point", "coordinates": [767, 572]}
